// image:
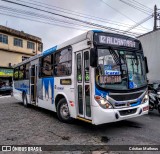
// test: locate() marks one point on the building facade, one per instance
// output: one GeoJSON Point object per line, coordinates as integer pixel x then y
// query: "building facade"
{"type": "Point", "coordinates": [15, 47]}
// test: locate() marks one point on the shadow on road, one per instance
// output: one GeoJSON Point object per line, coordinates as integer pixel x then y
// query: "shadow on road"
{"type": "Point", "coordinates": [38, 109]}
{"type": "Point", "coordinates": [88, 126]}
{"type": "Point", "coordinates": [154, 113]}
{"type": "Point", "coordinates": [119, 124]}
{"type": "Point", "coordinates": [105, 133]}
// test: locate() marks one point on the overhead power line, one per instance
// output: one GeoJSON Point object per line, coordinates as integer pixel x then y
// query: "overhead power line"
{"type": "Point", "coordinates": [141, 22]}
{"type": "Point", "coordinates": [29, 14]}
{"type": "Point", "coordinates": [45, 22]}
{"type": "Point", "coordinates": [136, 7]}
{"type": "Point", "coordinates": [38, 15]}
{"type": "Point", "coordinates": [71, 18]}
{"type": "Point", "coordinates": [71, 12]}
{"type": "Point", "coordinates": [43, 15]}
{"type": "Point", "coordinates": [120, 12]}
{"type": "Point", "coordinates": [74, 13]}
{"type": "Point", "coordinates": [139, 5]}
{"type": "Point", "coordinates": [142, 5]}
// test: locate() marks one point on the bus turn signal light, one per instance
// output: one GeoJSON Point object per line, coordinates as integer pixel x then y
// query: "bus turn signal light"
{"type": "Point", "coordinates": [97, 97]}
{"type": "Point", "coordinates": [146, 108]}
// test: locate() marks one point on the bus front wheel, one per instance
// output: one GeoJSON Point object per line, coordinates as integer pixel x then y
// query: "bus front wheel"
{"type": "Point", "coordinates": [63, 111]}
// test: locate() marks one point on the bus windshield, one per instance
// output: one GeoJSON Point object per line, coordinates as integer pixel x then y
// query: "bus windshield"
{"type": "Point", "coordinates": [120, 70]}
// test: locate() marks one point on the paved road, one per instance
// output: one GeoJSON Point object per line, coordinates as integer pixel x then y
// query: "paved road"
{"type": "Point", "coordinates": [20, 125]}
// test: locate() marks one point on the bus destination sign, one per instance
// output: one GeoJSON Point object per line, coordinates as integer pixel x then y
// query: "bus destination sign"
{"type": "Point", "coordinates": [117, 41]}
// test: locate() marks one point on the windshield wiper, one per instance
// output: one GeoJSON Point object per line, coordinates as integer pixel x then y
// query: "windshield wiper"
{"type": "Point", "coordinates": [136, 62]}
{"type": "Point", "coordinates": [114, 55]}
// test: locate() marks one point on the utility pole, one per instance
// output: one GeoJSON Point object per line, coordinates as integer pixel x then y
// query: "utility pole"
{"type": "Point", "coordinates": [158, 18]}
{"type": "Point", "coordinates": [155, 18]}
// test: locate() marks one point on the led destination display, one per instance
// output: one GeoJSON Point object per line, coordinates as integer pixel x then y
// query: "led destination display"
{"type": "Point", "coordinates": [117, 41]}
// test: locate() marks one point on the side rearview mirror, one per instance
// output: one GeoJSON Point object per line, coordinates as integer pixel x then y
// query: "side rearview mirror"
{"type": "Point", "coordinates": [146, 64]}
{"type": "Point", "coordinates": [93, 57]}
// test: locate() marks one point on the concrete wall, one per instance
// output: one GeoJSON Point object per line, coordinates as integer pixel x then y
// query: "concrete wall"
{"type": "Point", "coordinates": [10, 57]}
{"type": "Point", "coordinates": [151, 47]}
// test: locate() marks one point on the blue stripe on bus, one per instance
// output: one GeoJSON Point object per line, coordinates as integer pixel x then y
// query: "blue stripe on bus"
{"type": "Point", "coordinates": [22, 90]}
{"type": "Point", "coordinates": [101, 93]}
{"type": "Point", "coordinates": [46, 82]}
{"type": "Point", "coordinates": [23, 87]}
{"type": "Point", "coordinates": [137, 103]}
{"type": "Point", "coordinates": [49, 51]}
{"type": "Point", "coordinates": [97, 31]}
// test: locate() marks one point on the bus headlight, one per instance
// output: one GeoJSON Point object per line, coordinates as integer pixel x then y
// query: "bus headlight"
{"type": "Point", "coordinates": [145, 99]}
{"type": "Point", "coordinates": [103, 102]}
{"type": "Point", "coordinates": [158, 94]}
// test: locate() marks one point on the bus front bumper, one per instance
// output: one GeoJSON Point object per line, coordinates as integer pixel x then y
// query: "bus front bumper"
{"type": "Point", "coordinates": [101, 116]}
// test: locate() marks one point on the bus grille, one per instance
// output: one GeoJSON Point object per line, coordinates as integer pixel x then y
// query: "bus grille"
{"type": "Point", "coordinates": [125, 104]}
{"type": "Point", "coordinates": [126, 96]}
{"type": "Point", "coordinates": [120, 105]}
{"type": "Point", "coordinates": [127, 112]}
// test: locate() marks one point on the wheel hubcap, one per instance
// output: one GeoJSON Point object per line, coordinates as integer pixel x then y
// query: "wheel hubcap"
{"type": "Point", "coordinates": [64, 111]}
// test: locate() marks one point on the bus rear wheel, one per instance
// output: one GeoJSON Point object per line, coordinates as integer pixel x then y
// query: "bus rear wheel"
{"type": "Point", "coordinates": [25, 101]}
{"type": "Point", "coordinates": [63, 111]}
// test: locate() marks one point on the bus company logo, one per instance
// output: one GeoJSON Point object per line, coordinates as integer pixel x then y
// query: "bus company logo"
{"type": "Point", "coordinates": [6, 148]}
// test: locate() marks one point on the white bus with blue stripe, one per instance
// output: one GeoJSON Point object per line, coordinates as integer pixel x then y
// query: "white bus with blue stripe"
{"type": "Point", "coordinates": [97, 77]}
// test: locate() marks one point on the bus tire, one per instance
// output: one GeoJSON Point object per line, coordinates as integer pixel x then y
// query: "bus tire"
{"type": "Point", "coordinates": [25, 101]}
{"type": "Point", "coordinates": [63, 111]}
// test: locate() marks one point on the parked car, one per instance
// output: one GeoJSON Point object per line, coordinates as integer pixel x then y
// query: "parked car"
{"type": "Point", "coordinates": [5, 89]}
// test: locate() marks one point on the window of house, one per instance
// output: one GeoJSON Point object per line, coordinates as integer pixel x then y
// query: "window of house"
{"type": "Point", "coordinates": [40, 47]}
{"type": "Point", "coordinates": [25, 58]}
{"type": "Point", "coordinates": [46, 66]}
{"type": "Point", "coordinates": [31, 45]}
{"type": "Point", "coordinates": [4, 39]}
{"type": "Point", "coordinates": [63, 62]}
{"type": "Point", "coordinates": [18, 42]}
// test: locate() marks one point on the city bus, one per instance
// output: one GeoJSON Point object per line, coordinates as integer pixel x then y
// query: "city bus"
{"type": "Point", "coordinates": [97, 77]}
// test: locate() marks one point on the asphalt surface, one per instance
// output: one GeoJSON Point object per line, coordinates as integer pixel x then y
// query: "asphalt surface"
{"type": "Point", "coordinates": [20, 125]}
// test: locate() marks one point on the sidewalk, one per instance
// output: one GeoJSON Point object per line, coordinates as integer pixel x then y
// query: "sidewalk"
{"type": "Point", "coordinates": [4, 96]}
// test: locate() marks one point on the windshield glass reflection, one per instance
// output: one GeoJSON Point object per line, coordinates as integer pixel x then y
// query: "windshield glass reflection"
{"type": "Point", "coordinates": [120, 69]}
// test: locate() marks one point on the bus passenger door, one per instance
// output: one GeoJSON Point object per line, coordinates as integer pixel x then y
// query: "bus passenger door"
{"type": "Point", "coordinates": [33, 81]}
{"type": "Point", "coordinates": [83, 84]}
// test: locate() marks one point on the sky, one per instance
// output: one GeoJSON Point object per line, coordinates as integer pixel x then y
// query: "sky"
{"type": "Point", "coordinates": [113, 13]}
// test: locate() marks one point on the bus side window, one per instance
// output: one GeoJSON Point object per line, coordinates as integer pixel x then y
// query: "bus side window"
{"type": "Point", "coordinates": [63, 62]}
{"type": "Point", "coordinates": [86, 66]}
{"type": "Point", "coordinates": [46, 66]}
{"type": "Point", "coordinates": [79, 68]}
{"type": "Point", "coordinates": [21, 73]}
{"type": "Point", "coordinates": [27, 71]}
{"type": "Point", "coordinates": [40, 67]}
{"type": "Point", "coordinates": [16, 73]}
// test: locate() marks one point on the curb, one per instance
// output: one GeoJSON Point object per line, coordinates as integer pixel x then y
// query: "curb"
{"type": "Point", "coordinates": [5, 96]}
